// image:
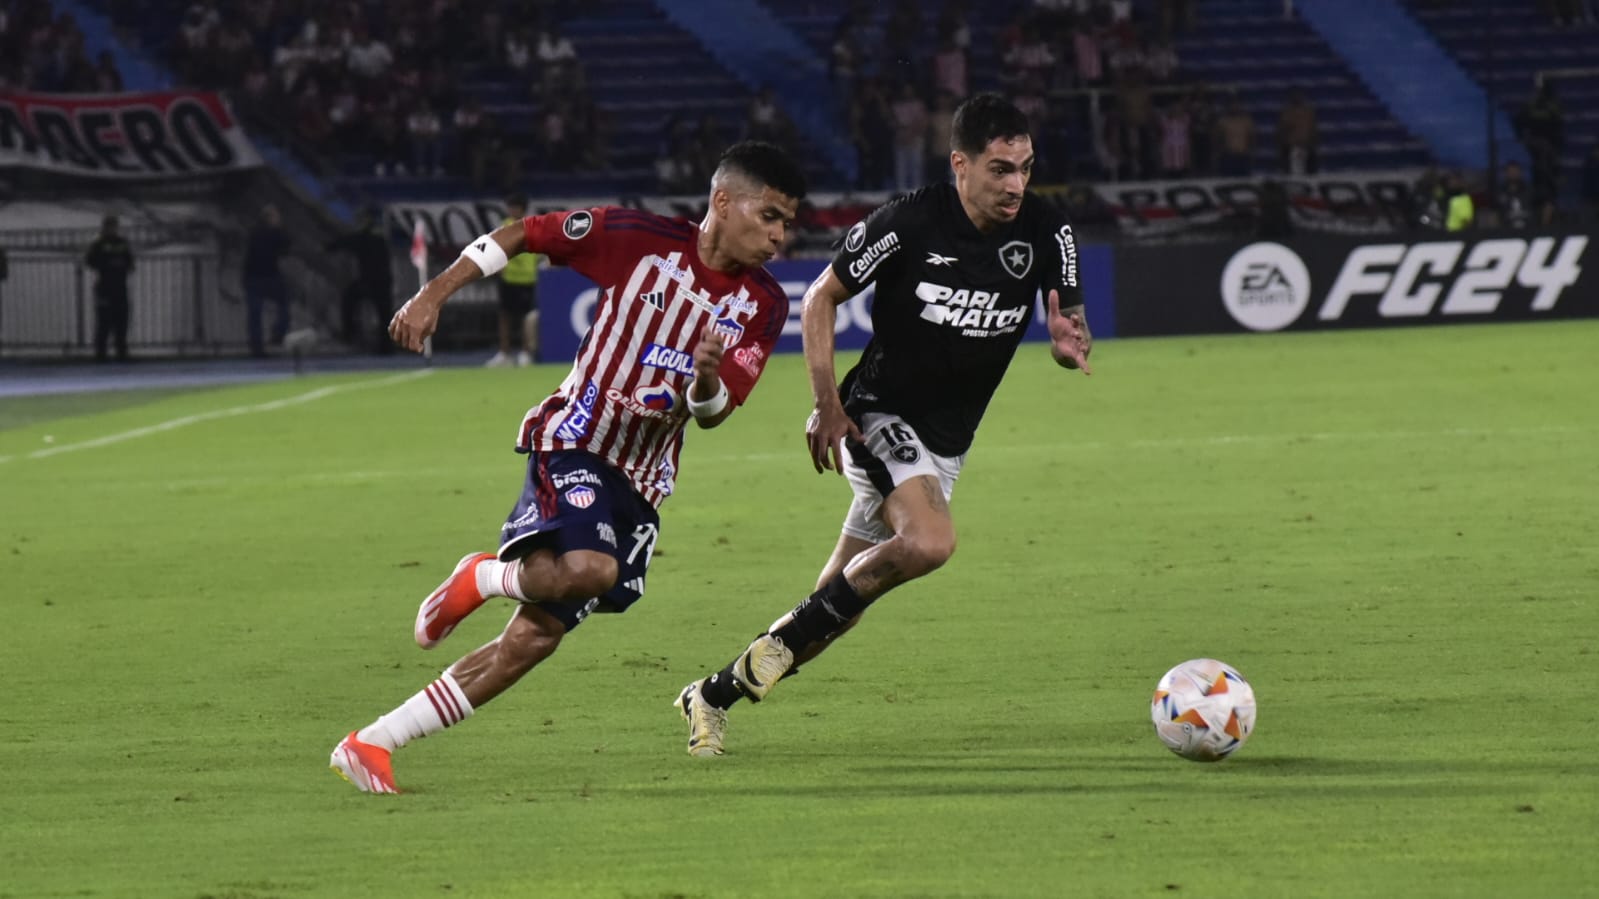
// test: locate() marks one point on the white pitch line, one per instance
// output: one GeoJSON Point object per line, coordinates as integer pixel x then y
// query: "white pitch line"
{"type": "Point", "coordinates": [185, 421]}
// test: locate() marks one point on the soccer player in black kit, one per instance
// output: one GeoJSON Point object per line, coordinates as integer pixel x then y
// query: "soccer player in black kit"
{"type": "Point", "coordinates": [958, 269]}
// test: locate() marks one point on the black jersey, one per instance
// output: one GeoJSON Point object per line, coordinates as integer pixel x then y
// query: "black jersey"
{"type": "Point", "coordinates": [952, 304]}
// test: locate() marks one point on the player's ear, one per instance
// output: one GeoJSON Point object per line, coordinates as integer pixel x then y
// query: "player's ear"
{"type": "Point", "coordinates": [957, 161]}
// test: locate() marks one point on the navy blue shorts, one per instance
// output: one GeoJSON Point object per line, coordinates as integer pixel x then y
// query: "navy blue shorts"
{"type": "Point", "coordinates": [575, 500]}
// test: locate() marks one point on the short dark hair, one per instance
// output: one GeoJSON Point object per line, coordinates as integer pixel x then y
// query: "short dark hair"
{"type": "Point", "coordinates": [516, 200]}
{"type": "Point", "coordinates": [769, 164]}
{"type": "Point", "coordinates": [983, 118]}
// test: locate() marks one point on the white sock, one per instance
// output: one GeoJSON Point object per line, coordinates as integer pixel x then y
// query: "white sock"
{"type": "Point", "coordinates": [441, 704]}
{"type": "Point", "coordinates": [496, 578]}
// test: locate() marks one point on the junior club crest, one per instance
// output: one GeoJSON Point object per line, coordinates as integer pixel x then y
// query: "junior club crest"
{"type": "Point", "coordinates": [1017, 258]}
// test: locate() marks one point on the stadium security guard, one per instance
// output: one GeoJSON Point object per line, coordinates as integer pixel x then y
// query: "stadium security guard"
{"type": "Point", "coordinates": [112, 260]}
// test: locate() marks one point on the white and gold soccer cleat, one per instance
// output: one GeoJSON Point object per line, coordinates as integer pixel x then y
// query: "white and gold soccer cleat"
{"type": "Point", "coordinates": [706, 723]}
{"type": "Point", "coordinates": [761, 666]}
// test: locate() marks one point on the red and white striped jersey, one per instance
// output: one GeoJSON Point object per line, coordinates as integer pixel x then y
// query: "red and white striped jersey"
{"type": "Point", "coordinates": [625, 399]}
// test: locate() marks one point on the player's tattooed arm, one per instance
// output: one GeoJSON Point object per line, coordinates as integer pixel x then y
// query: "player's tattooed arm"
{"type": "Point", "coordinates": [1069, 339]}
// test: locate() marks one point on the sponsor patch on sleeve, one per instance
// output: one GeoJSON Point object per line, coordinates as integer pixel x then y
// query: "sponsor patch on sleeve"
{"type": "Point", "coordinates": [577, 224]}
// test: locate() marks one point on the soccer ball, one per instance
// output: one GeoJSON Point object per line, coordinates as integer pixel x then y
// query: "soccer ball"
{"type": "Point", "coordinates": [1203, 710]}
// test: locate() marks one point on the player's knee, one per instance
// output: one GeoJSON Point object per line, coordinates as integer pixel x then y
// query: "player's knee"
{"type": "Point", "coordinates": [928, 552]}
{"type": "Point", "coordinates": [527, 642]}
{"type": "Point", "coordinates": [586, 574]}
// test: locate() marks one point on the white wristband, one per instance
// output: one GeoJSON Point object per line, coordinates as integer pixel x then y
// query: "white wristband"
{"type": "Point", "coordinates": [709, 408]}
{"type": "Point", "coordinates": [487, 254]}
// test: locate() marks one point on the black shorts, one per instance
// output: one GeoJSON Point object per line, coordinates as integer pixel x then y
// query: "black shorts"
{"type": "Point", "coordinates": [518, 299]}
{"type": "Point", "coordinates": [576, 500]}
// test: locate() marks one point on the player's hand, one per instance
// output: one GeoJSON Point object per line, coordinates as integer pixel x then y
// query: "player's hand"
{"type": "Point", "coordinates": [825, 431]}
{"type": "Point", "coordinates": [1069, 335]}
{"type": "Point", "coordinates": [414, 323]}
{"type": "Point", "coordinates": [708, 355]}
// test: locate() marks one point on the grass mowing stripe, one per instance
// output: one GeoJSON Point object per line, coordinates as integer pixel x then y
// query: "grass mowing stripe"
{"type": "Point", "coordinates": [185, 421]}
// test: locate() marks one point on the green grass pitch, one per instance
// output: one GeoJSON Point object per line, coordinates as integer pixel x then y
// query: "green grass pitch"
{"type": "Point", "coordinates": [1391, 533]}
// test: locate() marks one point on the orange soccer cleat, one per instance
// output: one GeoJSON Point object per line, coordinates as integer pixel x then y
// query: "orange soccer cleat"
{"type": "Point", "coordinates": [364, 765]}
{"type": "Point", "coordinates": [449, 605]}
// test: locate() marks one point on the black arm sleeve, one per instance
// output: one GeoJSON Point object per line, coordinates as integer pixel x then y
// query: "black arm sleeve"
{"type": "Point", "coordinates": [868, 247]}
{"type": "Point", "coordinates": [1057, 246]}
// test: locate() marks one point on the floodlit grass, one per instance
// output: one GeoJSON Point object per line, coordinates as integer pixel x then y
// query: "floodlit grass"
{"type": "Point", "coordinates": [1392, 534]}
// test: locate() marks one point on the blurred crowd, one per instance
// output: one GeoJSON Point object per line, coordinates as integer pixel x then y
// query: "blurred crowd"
{"type": "Point", "coordinates": [1101, 79]}
{"type": "Point", "coordinates": [44, 51]}
{"type": "Point", "coordinates": [382, 83]}
{"type": "Point", "coordinates": [383, 87]}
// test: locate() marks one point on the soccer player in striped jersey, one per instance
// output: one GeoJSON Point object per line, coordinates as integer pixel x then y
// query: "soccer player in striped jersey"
{"type": "Point", "coordinates": [685, 321]}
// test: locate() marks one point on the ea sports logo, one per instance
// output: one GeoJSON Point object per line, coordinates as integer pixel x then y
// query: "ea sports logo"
{"type": "Point", "coordinates": [1265, 286]}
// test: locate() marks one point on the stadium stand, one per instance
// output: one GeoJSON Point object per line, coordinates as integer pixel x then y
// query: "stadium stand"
{"type": "Point", "coordinates": [1508, 47]}
{"type": "Point", "coordinates": [643, 102]}
{"type": "Point", "coordinates": [1250, 48]}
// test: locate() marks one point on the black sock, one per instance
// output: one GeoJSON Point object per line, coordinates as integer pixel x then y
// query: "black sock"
{"type": "Point", "coordinates": [821, 614]}
{"type": "Point", "coordinates": [720, 689]}
{"type": "Point", "coordinates": [816, 617]}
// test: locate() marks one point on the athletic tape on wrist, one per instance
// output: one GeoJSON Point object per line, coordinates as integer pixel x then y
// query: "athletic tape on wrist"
{"type": "Point", "coordinates": [487, 254]}
{"type": "Point", "coordinates": [711, 407]}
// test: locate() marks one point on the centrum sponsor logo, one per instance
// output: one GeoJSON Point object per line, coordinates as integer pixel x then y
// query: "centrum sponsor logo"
{"type": "Point", "coordinates": [1068, 255]}
{"type": "Point", "coordinates": [874, 255]}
